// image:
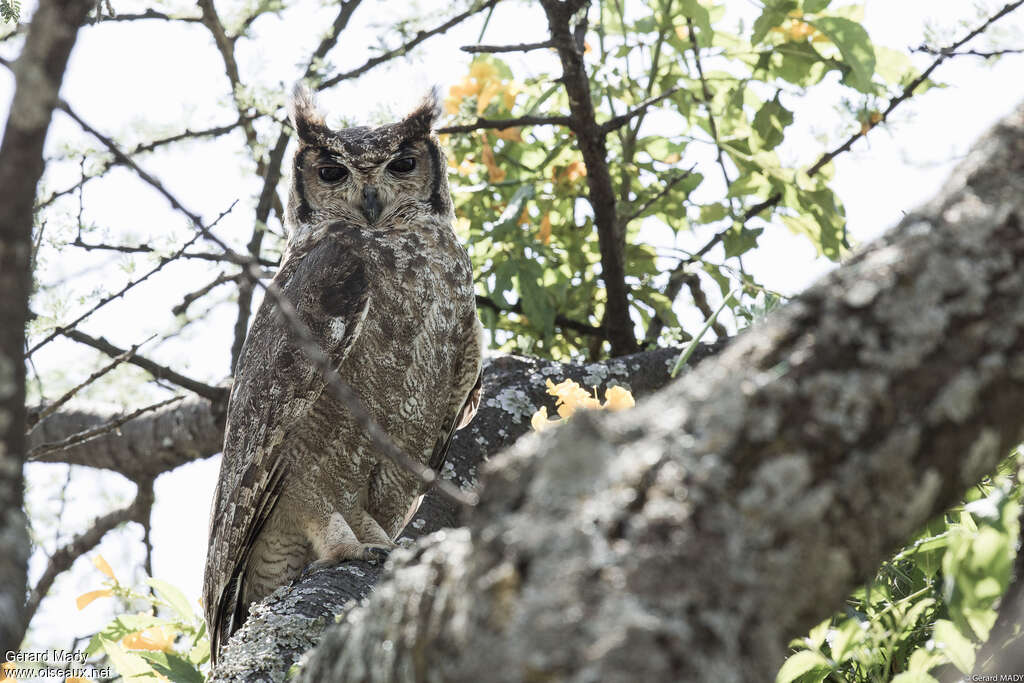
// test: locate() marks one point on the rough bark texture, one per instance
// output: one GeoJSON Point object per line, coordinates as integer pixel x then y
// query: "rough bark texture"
{"type": "Point", "coordinates": [38, 74]}
{"type": "Point", "coordinates": [291, 620]}
{"type": "Point", "coordinates": [692, 537]}
{"type": "Point", "coordinates": [142, 448]}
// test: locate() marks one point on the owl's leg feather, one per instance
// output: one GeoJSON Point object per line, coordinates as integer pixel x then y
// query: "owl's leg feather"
{"type": "Point", "coordinates": [338, 540]}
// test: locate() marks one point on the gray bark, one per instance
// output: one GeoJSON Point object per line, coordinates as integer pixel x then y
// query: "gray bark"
{"type": "Point", "coordinates": [38, 75]}
{"type": "Point", "coordinates": [292, 619]}
{"type": "Point", "coordinates": [691, 538]}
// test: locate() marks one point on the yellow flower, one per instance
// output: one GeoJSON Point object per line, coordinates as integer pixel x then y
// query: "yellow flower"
{"type": "Point", "coordinates": [482, 71]}
{"type": "Point", "coordinates": [102, 565]}
{"type": "Point", "coordinates": [84, 599]}
{"type": "Point", "coordinates": [540, 420]}
{"type": "Point", "coordinates": [570, 397]}
{"type": "Point", "coordinates": [487, 93]}
{"type": "Point", "coordinates": [618, 398]}
{"type": "Point", "coordinates": [153, 638]}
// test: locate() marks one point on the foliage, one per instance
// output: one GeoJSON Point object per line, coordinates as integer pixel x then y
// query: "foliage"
{"type": "Point", "coordinates": [929, 607]}
{"type": "Point", "coordinates": [143, 645]}
{"type": "Point", "coordinates": [10, 10]}
{"type": "Point", "coordinates": [520, 190]}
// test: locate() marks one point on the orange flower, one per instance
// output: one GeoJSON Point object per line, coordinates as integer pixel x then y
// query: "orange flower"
{"type": "Point", "coordinates": [152, 638]}
{"type": "Point", "coordinates": [85, 598]}
{"type": "Point", "coordinates": [102, 565]}
{"type": "Point", "coordinates": [575, 171]}
{"type": "Point", "coordinates": [618, 398]}
{"type": "Point", "coordinates": [494, 172]}
{"type": "Point", "coordinates": [510, 134]}
{"type": "Point", "coordinates": [545, 229]}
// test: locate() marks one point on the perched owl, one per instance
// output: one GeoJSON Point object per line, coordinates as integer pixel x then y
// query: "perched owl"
{"type": "Point", "coordinates": [374, 270]}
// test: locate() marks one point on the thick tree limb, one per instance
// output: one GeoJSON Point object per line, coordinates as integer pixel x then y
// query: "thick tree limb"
{"type": "Point", "coordinates": [291, 620]}
{"type": "Point", "coordinates": [142, 448]}
{"type": "Point", "coordinates": [38, 75]}
{"type": "Point", "coordinates": [691, 538]}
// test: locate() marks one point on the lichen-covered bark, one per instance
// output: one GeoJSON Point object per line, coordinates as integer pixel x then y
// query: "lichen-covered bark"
{"type": "Point", "coordinates": [514, 388]}
{"type": "Point", "coordinates": [692, 537]}
{"type": "Point", "coordinates": [38, 74]}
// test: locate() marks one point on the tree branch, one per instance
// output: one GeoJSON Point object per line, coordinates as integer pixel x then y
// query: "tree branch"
{"type": "Point", "coordinates": [38, 74]}
{"type": "Point", "coordinates": [406, 47]}
{"type": "Point", "coordinates": [601, 193]}
{"type": "Point", "coordinates": [521, 47]}
{"type": "Point", "coordinates": [692, 537]}
{"type": "Point", "coordinates": [502, 124]}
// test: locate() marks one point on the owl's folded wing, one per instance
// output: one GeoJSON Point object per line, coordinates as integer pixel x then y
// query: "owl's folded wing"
{"type": "Point", "coordinates": [275, 387]}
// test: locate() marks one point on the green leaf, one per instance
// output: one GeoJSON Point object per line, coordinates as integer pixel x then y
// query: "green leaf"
{"type": "Point", "coordinates": [739, 239]}
{"type": "Point", "coordinates": [120, 627]}
{"type": "Point", "coordinates": [700, 16]}
{"type": "Point", "coordinates": [175, 598]}
{"type": "Point", "coordinates": [812, 6]}
{"type": "Point", "coordinates": [854, 45]}
{"type": "Point", "coordinates": [804, 666]}
{"type": "Point", "coordinates": [173, 667]}
{"type": "Point", "coordinates": [774, 13]}
{"type": "Point", "coordinates": [770, 123]}
{"type": "Point", "coordinates": [914, 677]}
{"type": "Point", "coordinates": [131, 666]}
{"type": "Point", "coordinates": [959, 648]}
{"type": "Point", "coordinates": [534, 298]}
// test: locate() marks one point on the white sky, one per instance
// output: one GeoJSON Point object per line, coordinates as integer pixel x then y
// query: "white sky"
{"type": "Point", "coordinates": [157, 75]}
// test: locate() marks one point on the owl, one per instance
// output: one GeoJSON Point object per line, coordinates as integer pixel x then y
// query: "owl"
{"type": "Point", "coordinates": [374, 270]}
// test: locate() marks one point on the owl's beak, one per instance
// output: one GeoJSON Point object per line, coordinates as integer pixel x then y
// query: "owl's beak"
{"type": "Point", "coordinates": [371, 204]}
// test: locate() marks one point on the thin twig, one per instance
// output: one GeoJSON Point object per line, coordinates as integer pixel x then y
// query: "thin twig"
{"type": "Point", "coordinates": [52, 408]}
{"type": "Point", "coordinates": [405, 47]}
{"type": "Point", "coordinates": [65, 556]}
{"type": "Point", "coordinates": [215, 394]}
{"type": "Point", "coordinates": [622, 119]}
{"type": "Point", "coordinates": [521, 47]}
{"type": "Point", "coordinates": [87, 434]}
{"type": "Point", "coordinates": [985, 54]}
{"type": "Point", "coordinates": [665, 189]}
{"type": "Point", "coordinates": [560, 320]}
{"type": "Point", "coordinates": [502, 124]}
{"type": "Point", "coordinates": [187, 134]}
{"type": "Point", "coordinates": [64, 329]}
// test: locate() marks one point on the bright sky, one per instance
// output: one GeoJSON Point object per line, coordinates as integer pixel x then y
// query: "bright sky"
{"type": "Point", "coordinates": [157, 76]}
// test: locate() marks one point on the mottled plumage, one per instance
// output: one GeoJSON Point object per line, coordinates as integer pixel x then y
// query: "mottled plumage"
{"type": "Point", "coordinates": [375, 271]}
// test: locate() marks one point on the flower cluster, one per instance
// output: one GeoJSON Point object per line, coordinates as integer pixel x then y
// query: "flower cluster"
{"type": "Point", "coordinates": [572, 397]}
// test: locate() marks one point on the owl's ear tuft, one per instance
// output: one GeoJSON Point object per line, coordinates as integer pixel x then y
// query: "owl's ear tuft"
{"type": "Point", "coordinates": [421, 120]}
{"type": "Point", "coordinates": [306, 118]}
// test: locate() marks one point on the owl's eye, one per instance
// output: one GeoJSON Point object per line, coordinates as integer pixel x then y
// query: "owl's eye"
{"type": "Point", "coordinates": [403, 165]}
{"type": "Point", "coordinates": [332, 174]}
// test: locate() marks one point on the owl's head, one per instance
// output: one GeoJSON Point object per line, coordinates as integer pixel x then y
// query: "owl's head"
{"type": "Point", "coordinates": [365, 175]}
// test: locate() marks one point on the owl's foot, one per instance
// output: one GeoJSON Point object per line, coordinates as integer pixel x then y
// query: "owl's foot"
{"type": "Point", "coordinates": [368, 552]}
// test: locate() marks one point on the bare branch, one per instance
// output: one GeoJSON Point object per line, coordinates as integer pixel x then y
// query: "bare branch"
{"type": "Point", "coordinates": [148, 14]}
{"type": "Point", "coordinates": [521, 47]}
{"type": "Point", "coordinates": [84, 436]}
{"type": "Point", "coordinates": [502, 124]}
{"type": "Point", "coordinates": [406, 47]}
{"type": "Point", "coordinates": [601, 193]}
{"type": "Point", "coordinates": [38, 75]}
{"type": "Point", "coordinates": [53, 407]}
{"type": "Point", "coordinates": [624, 118]}
{"type": "Point", "coordinates": [985, 54]}
{"type": "Point", "coordinates": [560, 320]}
{"type": "Point", "coordinates": [215, 394]}
{"type": "Point", "coordinates": [64, 329]}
